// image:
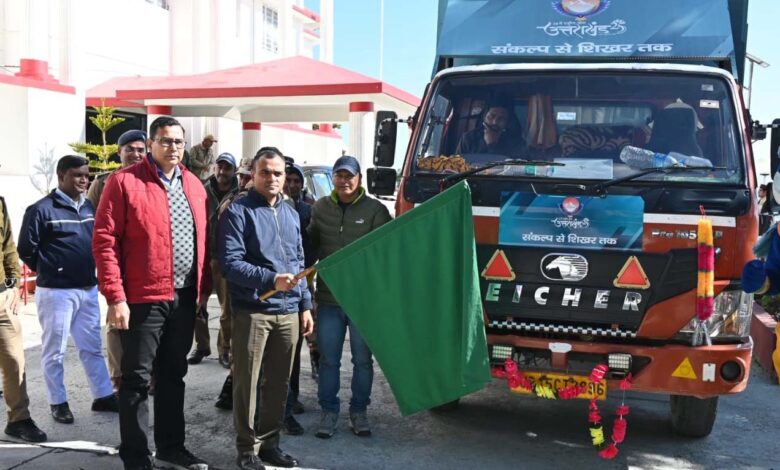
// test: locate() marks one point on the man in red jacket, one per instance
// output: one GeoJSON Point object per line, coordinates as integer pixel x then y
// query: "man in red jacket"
{"type": "Point", "coordinates": [150, 248]}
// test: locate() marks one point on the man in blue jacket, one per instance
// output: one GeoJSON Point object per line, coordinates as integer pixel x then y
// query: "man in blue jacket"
{"type": "Point", "coordinates": [56, 241]}
{"type": "Point", "coordinates": [260, 250]}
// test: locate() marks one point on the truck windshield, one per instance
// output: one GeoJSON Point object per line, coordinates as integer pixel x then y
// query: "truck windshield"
{"type": "Point", "coordinates": [600, 125]}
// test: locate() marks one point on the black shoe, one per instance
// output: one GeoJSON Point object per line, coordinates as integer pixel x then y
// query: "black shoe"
{"type": "Point", "coordinates": [224, 360]}
{"type": "Point", "coordinates": [277, 458]}
{"type": "Point", "coordinates": [61, 413]}
{"type": "Point", "coordinates": [25, 430]}
{"type": "Point", "coordinates": [179, 459]}
{"type": "Point", "coordinates": [298, 408]}
{"type": "Point", "coordinates": [292, 427]}
{"type": "Point", "coordinates": [224, 403]}
{"type": "Point", "coordinates": [249, 461]}
{"type": "Point", "coordinates": [197, 356]}
{"type": "Point", "coordinates": [225, 398]}
{"type": "Point", "coordinates": [107, 403]}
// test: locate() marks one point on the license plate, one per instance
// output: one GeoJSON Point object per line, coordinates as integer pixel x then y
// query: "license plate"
{"type": "Point", "coordinates": [558, 381]}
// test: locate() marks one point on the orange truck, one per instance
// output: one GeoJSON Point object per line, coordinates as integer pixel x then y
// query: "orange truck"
{"type": "Point", "coordinates": [593, 134]}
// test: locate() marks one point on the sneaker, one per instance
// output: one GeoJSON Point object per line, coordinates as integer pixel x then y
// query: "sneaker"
{"type": "Point", "coordinates": [327, 426]}
{"type": "Point", "coordinates": [224, 360]}
{"type": "Point", "coordinates": [359, 424]}
{"type": "Point", "coordinates": [107, 403]}
{"type": "Point", "coordinates": [25, 430]}
{"type": "Point", "coordinates": [249, 461]}
{"type": "Point", "coordinates": [196, 356]}
{"type": "Point", "coordinates": [181, 459]}
{"type": "Point", "coordinates": [61, 413]}
{"type": "Point", "coordinates": [292, 427]}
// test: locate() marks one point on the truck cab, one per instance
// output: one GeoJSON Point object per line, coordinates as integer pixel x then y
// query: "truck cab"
{"type": "Point", "coordinates": [594, 136]}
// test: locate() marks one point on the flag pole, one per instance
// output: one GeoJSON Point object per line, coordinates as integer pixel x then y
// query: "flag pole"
{"type": "Point", "coordinates": [298, 277]}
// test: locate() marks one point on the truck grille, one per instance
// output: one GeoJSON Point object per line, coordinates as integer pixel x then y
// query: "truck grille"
{"type": "Point", "coordinates": [564, 329]}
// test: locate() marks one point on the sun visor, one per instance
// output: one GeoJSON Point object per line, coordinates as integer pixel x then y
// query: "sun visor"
{"type": "Point", "coordinates": [501, 31]}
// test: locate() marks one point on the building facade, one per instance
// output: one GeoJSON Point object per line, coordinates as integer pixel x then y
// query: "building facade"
{"type": "Point", "coordinates": [54, 51]}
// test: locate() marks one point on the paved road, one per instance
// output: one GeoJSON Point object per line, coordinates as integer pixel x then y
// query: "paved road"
{"type": "Point", "coordinates": [492, 429]}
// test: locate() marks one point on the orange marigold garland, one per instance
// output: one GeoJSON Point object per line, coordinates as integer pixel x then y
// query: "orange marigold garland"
{"type": "Point", "coordinates": [516, 379]}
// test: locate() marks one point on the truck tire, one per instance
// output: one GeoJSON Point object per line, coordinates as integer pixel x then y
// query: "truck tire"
{"type": "Point", "coordinates": [693, 417]}
{"type": "Point", "coordinates": [449, 406]}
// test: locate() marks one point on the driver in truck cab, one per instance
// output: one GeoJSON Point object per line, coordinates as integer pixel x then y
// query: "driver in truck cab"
{"type": "Point", "coordinates": [494, 135]}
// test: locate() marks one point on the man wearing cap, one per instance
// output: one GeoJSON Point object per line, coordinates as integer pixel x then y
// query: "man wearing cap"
{"type": "Point", "coordinates": [19, 424]}
{"type": "Point", "coordinates": [343, 217]}
{"type": "Point", "coordinates": [244, 175]}
{"type": "Point", "coordinates": [56, 241]}
{"type": "Point", "coordinates": [293, 188]}
{"type": "Point", "coordinates": [132, 149]}
{"type": "Point", "coordinates": [221, 185]}
{"type": "Point", "coordinates": [201, 158]}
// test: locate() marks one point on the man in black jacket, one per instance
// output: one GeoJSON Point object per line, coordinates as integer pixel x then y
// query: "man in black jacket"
{"type": "Point", "coordinates": [56, 241]}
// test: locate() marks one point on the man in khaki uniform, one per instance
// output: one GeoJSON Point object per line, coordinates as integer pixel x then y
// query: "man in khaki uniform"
{"type": "Point", "coordinates": [19, 423]}
{"type": "Point", "coordinates": [202, 157]}
{"type": "Point", "coordinates": [132, 149]}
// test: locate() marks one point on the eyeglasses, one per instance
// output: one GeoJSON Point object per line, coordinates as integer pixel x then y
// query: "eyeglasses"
{"type": "Point", "coordinates": [167, 142]}
{"type": "Point", "coordinates": [268, 173]}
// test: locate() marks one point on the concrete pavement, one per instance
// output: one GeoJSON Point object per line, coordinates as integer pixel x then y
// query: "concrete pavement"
{"type": "Point", "coordinates": [493, 429]}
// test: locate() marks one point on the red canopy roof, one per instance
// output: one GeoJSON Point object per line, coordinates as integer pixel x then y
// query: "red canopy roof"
{"type": "Point", "coordinates": [289, 77]}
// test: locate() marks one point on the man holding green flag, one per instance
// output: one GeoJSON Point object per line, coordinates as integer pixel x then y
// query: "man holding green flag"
{"type": "Point", "coordinates": [411, 288]}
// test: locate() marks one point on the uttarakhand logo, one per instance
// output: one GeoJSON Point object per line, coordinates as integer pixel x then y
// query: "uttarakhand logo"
{"type": "Point", "coordinates": [571, 206]}
{"type": "Point", "coordinates": [580, 9]}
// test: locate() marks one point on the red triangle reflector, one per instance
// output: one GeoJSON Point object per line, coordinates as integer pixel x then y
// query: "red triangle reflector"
{"type": "Point", "coordinates": [632, 275]}
{"type": "Point", "coordinates": [498, 268]}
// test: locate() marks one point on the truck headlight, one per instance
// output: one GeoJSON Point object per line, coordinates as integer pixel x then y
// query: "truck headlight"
{"type": "Point", "coordinates": [730, 317]}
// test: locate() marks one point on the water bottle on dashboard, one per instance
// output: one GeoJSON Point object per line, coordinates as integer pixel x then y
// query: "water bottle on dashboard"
{"type": "Point", "coordinates": [639, 158]}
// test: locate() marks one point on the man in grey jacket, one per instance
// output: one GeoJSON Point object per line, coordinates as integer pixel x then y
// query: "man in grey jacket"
{"type": "Point", "coordinates": [336, 221]}
{"type": "Point", "coordinates": [260, 250]}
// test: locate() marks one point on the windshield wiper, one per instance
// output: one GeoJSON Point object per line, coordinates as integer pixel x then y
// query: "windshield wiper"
{"type": "Point", "coordinates": [600, 189]}
{"type": "Point", "coordinates": [519, 161]}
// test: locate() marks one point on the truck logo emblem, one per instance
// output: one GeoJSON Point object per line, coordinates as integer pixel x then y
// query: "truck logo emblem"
{"type": "Point", "coordinates": [580, 9]}
{"type": "Point", "coordinates": [571, 206]}
{"type": "Point", "coordinates": [564, 267]}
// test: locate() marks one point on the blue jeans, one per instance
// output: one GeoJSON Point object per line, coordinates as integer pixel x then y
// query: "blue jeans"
{"type": "Point", "coordinates": [332, 324]}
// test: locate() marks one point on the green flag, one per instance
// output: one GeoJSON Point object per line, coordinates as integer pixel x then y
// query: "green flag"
{"type": "Point", "coordinates": [412, 289]}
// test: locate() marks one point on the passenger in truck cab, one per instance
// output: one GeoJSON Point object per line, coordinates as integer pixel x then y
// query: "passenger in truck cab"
{"type": "Point", "coordinates": [494, 135]}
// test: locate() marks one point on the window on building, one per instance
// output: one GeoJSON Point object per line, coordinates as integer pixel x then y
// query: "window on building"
{"type": "Point", "coordinates": [270, 29]}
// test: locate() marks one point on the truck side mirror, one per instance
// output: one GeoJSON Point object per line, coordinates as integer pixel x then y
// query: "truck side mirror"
{"type": "Point", "coordinates": [384, 138]}
{"type": "Point", "coordinates": [381, 181]}
{"type": "Point", "coordinates": [757, 131]}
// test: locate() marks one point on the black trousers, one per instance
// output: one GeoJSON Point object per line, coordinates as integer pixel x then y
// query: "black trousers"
{"type": "Point", "coordinates": [159, 337]}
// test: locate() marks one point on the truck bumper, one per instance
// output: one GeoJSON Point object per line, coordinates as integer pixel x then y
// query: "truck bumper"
{"type": "Point", "coordinates": [703, 371]}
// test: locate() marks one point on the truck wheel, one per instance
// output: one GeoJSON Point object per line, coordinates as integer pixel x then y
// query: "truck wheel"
{"type": "Point", "coordinates": [693, 417]}
{"type": "Point", "coordinates": [449, 406]}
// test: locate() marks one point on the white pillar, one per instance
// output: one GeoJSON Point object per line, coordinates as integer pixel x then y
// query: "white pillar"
{"type": "Point", "coordinates": [361, 133]}
{"type": "Point", "coordinates": [251, 141]}
{"type": "Point", "coordinates": [37, 30]}
{"type": "Point", "coordinates": [326, 31]}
